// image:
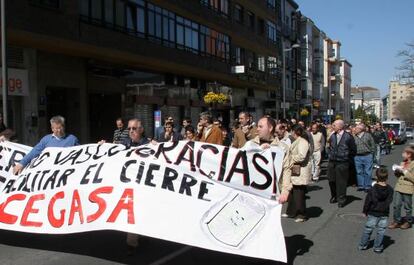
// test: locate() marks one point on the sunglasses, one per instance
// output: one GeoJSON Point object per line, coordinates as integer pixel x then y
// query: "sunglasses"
{"type": "Point", "coordinates": [132, 128]}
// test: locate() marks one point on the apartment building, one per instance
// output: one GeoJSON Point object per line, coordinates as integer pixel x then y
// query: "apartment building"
{"type": "Point", "coordinates": [95, 60]}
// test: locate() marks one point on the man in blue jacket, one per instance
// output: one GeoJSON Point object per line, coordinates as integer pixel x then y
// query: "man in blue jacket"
{"type": "Point", "coordinates": [58, 138]}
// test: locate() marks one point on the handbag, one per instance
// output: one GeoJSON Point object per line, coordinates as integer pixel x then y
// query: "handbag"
{"type": "Point", "coordinates": [295, 170]}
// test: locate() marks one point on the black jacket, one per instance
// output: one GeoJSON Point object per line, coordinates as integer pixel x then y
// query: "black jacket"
{"type": "Point", "coordinates": [378, 200]}
{"type": "Point", "coordinates": [344, 151]}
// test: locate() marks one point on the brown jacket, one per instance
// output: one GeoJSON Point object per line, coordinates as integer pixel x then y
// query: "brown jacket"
{"type": "Point", "coordinates": [240, 138]}
{"type": "Point", "coordinates": [214, 136]}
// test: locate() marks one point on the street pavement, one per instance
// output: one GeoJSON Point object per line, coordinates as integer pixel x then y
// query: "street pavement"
{"type": "Point", "coordinates": [330, 237]}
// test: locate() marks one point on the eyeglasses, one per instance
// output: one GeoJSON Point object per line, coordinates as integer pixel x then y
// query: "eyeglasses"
{"type": "Point", "coordinates": [132, 128]}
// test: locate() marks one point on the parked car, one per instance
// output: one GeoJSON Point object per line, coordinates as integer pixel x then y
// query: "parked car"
{"type": "Point", "coordinates": [410, 132]}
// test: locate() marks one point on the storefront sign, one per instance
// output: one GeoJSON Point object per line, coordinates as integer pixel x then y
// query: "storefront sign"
{"type": "Point", "coordinates": [18, 82]}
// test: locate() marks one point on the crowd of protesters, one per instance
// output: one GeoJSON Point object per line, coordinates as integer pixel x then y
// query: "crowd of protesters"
{"type": "Point", "coordinates": [352, 152]}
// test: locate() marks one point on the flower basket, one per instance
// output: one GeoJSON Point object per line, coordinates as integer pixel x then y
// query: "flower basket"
{"type": "Point", "coordinates": [214, 98]}
{"type": "Point", "coordinates": [304, 112]}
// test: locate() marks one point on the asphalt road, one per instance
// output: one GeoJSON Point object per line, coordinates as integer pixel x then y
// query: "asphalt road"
{"type": "Point", "coordinates": [330, 236]}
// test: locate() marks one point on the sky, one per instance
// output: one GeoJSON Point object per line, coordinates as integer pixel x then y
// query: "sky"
{"type": "Point", "coordinates": [371, 33]}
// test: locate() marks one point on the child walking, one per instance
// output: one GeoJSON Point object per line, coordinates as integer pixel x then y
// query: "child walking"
{"type": "Point", "coordinates": [404, 190]}
{"type": "Point", "coordinates": [377, 209]}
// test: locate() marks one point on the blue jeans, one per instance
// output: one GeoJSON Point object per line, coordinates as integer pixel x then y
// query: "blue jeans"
{"type": "Point", "coordinates": [363, 166]}
{"type": "Point", "coordinates": [377, 155]}
{"type": "Point", "coordinates": [406, 200]}
{"type": "Point", "coordinates": [373, 222]}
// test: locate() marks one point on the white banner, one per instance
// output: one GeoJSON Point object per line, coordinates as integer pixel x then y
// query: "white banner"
{"type": "Point", "coordinates": [171, 191]}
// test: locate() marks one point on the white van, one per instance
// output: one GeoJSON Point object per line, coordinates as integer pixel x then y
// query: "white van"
{"type": "Point", "coordinates": [399, 128]}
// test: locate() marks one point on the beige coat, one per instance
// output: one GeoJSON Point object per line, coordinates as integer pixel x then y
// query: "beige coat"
{"type": "Point", "coordinates": [300, 155]}
{"type": "Point", "coordinates": [405, 183]}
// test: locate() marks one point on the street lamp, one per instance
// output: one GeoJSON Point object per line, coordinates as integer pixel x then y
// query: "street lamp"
{"type": "Point", "coordinates": [294, 46]}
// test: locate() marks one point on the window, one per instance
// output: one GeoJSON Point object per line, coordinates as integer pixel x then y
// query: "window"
{"type": "Point", "coordinates": [261, 63]}
{"type": "Point", "coordinates": [238, 56]}
{"type": "Point", "coordinates": [250, 17]}
{"type": "Point", "coordinates": [271, 4]}
{"type": "Point", "coordinates": [145, 20]}
{"type": "Point", "coordinates": [109, 11]}
{"type": "Point", "coordinates": [261, 26]}
{"type": "Point", "coordinates": [119, 14]}
{"type": "Point", "coordinates": [272, 65]}
{"type": "Point", "coordinates": [238, 13]}
{"type": "Point", "coordinates": [96, 9]}
{"type": "Point", "coordinates": [271, 31]}
{"type": "Point", "coordinates": [46, 3]}
{"type": "Point", "coordinates": [219, 6]}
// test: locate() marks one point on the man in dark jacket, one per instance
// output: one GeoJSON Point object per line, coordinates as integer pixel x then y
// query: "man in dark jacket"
{"type": "Point", "coordinates": [136, 138]}
{"type": "Point", "coordinates": [342, 150]}
{"type": "Point", "coordinates": [377, 209]}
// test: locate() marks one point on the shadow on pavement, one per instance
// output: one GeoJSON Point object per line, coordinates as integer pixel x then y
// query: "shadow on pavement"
{"type": "Point", "coordinates": [351, 198]}
{"type": "Point", "coordinates": [297, 245]}
{"type": "Point", "coordinates": [387, 241]}
{"type": "Point", "coordinates": [313, 188]}
{"type": "Point", "coordinates": [313, 212]}
{"type": "Point", "coordinates": [108, 245]}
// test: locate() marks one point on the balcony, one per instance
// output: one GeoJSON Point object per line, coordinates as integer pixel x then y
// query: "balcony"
{"type": "Point", "coordinates": [335, 77]}
{"type": "Point", "coordinates": [333, 59]}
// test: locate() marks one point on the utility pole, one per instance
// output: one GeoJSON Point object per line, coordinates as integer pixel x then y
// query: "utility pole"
{"type": "Point", "coordinates": [5, 78]}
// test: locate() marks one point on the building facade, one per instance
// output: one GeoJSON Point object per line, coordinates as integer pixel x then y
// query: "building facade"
{"type": "Point", "coordinates": [385, 107]}
{"type": "Point", "coordinates": [368, 98]}
{"type": "Point", "coordinates": [398, 91]}
{"type": "Point", "coordinates": [345, 91]}
{"type": "Point", "coordinates": [290, 21]}
{"type": "Point", "coordinates": [95, 60]}
{"type": "Point", "coordinates": [332, 77]}
{"type": "Point", "coordinates": [312, 66]}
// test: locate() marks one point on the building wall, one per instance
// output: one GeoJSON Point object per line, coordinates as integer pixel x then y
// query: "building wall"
{"type": "Point", "coordinates": [398, 91]}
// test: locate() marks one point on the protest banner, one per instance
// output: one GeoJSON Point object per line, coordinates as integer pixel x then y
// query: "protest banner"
{"type": "Point", "coordinates": [198, 194]}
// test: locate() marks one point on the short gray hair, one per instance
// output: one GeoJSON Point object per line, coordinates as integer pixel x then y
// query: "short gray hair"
{"type": "Point", "coordinates": [58, 119]}
{"type": "Point", "coordinates": [208, 116]}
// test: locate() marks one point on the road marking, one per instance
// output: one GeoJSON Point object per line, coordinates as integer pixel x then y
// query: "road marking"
{"type": "Point", "coordinates": [171, 256]}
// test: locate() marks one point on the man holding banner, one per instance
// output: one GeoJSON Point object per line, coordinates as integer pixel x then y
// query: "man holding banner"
{"type": "Point", "coordinates": [265, 138]}
{"type": "Point", "coordinates": [135, 133]}
{"type": "Point", "coordinates": [57, 138]}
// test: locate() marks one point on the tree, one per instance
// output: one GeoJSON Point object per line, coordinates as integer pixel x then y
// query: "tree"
{"type": "Point", "coordinates": [405, 110]}
{"type": "Point", "coordinates": [364, 116]}
{"type": "Point", "coordinates": [407, 64]}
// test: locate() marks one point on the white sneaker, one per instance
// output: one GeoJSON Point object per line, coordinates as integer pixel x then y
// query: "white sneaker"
{"type": "Point", "coordinates": [285, 215]}
{"type": "Point", "coordinates": [300, 220]}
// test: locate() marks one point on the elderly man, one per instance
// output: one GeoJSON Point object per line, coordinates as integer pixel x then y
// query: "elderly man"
{"type": "Point", "coordinates": [136, 138]}
{"type": "Point", "coordinates": [282, 135]}
{"type": "Point", "coordinates": [58, 138]}
{"type": "Point", "coordinates": [364, 157]}
{"type": "Point", "coordinates": [342, 150]}
{"type": "Point", "coordinates": [265, 138]}
{"type": "Point", "coordinates": [207, 132]}
{"type": "Point", "coordinates": [245, 132]}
